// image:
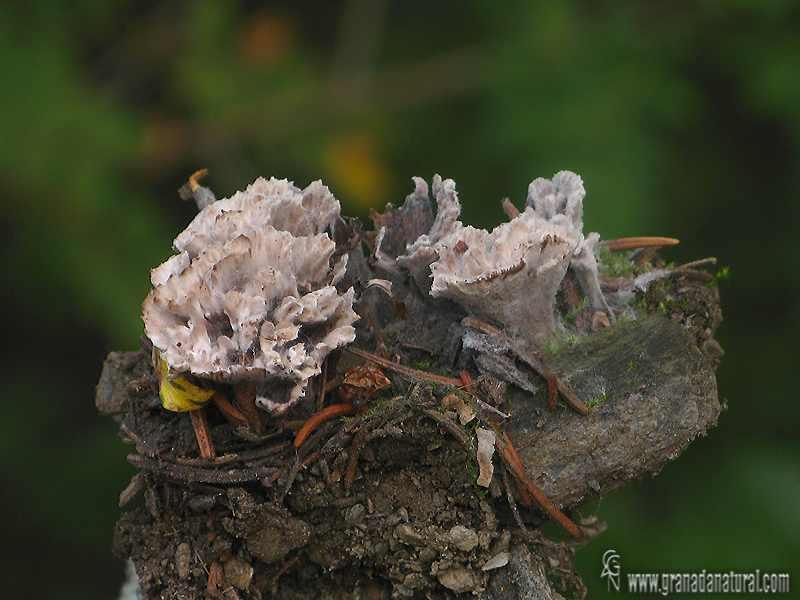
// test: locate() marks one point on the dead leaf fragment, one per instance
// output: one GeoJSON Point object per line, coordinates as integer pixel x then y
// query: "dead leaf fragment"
{"type": "Point", "coordinates": [484, 455]}
{"type": "Point", "coordinates": [464, 410]}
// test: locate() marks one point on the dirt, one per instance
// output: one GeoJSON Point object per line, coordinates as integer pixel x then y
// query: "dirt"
{"type": "Point", "coordinates": [412, 520]}
{"type": "Point", "coordinates": [385, 504]}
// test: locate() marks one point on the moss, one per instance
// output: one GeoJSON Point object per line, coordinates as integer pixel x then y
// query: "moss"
{"type": "Point", "coordinates": [721, 275]}
{"type": "Point", "coordinates": [558, 341]}
{"type": "Point", "coordinates": [472, 474]}
{"type": "Point", "coordinates": [570, 316]}
{"type": "Point", "coordinates": [380, 406]}
{"type": "Point", "coordinates": [600, 399]}
{"type": "Point", "coordinates": [423, 364]}
{"type": "Point", "coordinates": [614, 264]}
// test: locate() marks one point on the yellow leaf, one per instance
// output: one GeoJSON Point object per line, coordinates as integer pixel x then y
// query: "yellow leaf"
{"type": "Point", "coordinates": [179, 394]}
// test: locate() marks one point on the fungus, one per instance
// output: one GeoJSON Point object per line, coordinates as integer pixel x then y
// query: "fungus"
{"type": "Point", "coordinates": [251, 295]}
{"type": "Point", "coordinates": [424, 250]}
{"type": "Point", "coordinates": [560, 201]}
{"type": "Point", "coordinates": [277, 203]}
{"type": "Point", "coordinates": [510, 275]}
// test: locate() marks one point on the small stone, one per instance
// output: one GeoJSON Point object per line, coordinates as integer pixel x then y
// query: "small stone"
{"type": "Point", "coordinates": [458, 579]}
{"type": "Point", "coordinates": [276, 536]}
{"type": "Point", "coordinates": [392, 520]}
{"type": "Point", "coordinates": [463, 538]}
{"type": "Point", "coordinates": [238, 573]}
{"type": "Point", "coordinates": [394, 544]}
{"type": "Point", "coordinates": [501, 545]}
{"type": "Point", "coordinates": [202, 503]}
{"type": "Point", "coordinates": [354, 515]}
{"type": "Point", "coordinates": [415, 581]}
{"type": "Point", "coordinates": [406, 534]}
{"type": "Point", "coordinates": [381, 549]}
{"type": "Point", "coordinates": [183, 560]}
{"type": "Point", "coordinates": [497, 561]}
{"type": "Point", "coordinates": [427, 554]}
{"type": "Point", "coordinates": [402, 591]}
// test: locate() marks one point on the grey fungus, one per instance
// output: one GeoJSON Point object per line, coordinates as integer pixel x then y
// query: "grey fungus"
{"type": "Point", "coordinates": [424, 250]}
{"type": "Point", "coordinates": [275, 202]}
{"type": "Point", "coordinates": [251, 295]}
{"type": "Point", "coordinates": [511, 274]}
{"type": "Point", "coordinates": [560, 201]}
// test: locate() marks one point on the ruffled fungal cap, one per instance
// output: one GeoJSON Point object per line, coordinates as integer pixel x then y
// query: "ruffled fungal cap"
{"type": "Point", "coordinates": [560, 201]}
{"type": "Point", "coordinates": [251, 296]}
{"type": "Point", "coordinates": [510, 275]}
{"type": "Point", "coordinates": [424, 250]}
{"type": "Point", "coordinates": [277, 203]}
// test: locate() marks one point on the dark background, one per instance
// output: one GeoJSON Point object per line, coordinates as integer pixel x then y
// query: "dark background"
{"type": "Point", "coordinates": [682, 118]}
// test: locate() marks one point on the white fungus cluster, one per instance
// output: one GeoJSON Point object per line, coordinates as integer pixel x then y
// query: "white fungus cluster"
{"type": "Point", "coordinates": [251, 294]}
{"type": "Point", "coordinates": [510, 275]}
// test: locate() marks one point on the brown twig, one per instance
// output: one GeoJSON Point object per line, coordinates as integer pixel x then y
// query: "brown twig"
{"type": "Point", "coordinates": [511, 502]}
{"type": "Point", "coordinates": [552, 390]}
{"type": "Point", "coordinates": [699, 264]}
{"type": "Point", "coordinates": [317, 419]}
{"type": "Point", "coordinates": [511, 459]}
{"type": "Point", "coordinates": [229, 411]}
{"type": "Point", "coordinates": [246, 397]}
{"type": "Point", "coordinates": [194, 177]}
{"type": "Point", "coordinates": [403, 370]}
{"type": "Point", "coordinates": [573, 300]}
{"type": "Point", "coordinates": [380, 342]}
{"type": "Point", "coordinates": [352, 460]}
{"type": "Point", "coordinates": [448, 425]}
{"type": "Point", "coordinates": [200, 427]}
{"type": "Point", "coordinates": [285, 567]}
{"type": "Point", "coordinates": [188, 474]}
{"type": "Point", "coordinates": [632, 243]}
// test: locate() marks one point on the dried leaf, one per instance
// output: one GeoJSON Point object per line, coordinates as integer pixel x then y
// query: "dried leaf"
{"type": "Point", "coordinates": [485, 451]}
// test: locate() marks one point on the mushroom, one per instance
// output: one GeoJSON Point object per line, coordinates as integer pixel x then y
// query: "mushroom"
{"type": "Point", "coordinates": [251, 295]}
{"type": "Point", "coordinates": [560, 201]}
{"type": "Point", "coordinates": [510, 275]}
{"type": "Point", "coordinates": [424, 250]}
{"type": "Point", "coordinates": [276, 202]}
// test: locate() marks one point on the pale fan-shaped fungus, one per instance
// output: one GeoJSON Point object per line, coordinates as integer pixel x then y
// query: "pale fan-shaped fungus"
{"type": "Point", "coordinates": [251, 296]}
{"type": "Point", "coordinates": [512, 274]}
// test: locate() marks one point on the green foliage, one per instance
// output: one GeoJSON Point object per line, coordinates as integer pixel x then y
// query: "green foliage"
{"type": "Point", "coordinates": [614, 264]}
{"type": "Point", "coordinates": [722, 275]}
{"type": "Point", "coordinates": [599, 399]}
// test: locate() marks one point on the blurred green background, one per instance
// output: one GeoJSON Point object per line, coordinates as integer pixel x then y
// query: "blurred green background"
{"type": "Point", "coordinates": [683, 118]}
